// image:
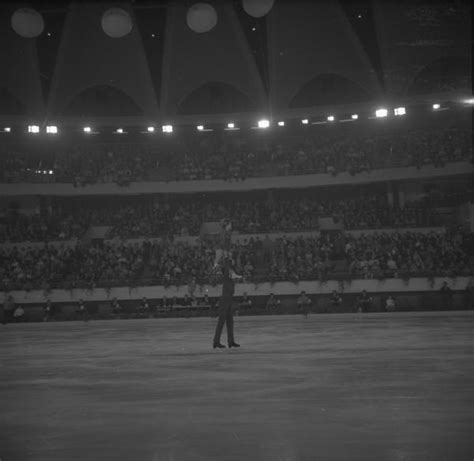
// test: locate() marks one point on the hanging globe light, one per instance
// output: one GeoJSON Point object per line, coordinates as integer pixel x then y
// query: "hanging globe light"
{"type": "Point", "coordinates": [201, 18]}
{"type": "Point", "coordinates": [27, 23]}
{"type": "Point", "coordinates": [257, 8]}
{"type": "Point", "coordinates": [116, 23]}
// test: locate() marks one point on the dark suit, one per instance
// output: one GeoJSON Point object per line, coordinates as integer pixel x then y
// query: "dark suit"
{"type": "Point", "coordinates": [225, 307]}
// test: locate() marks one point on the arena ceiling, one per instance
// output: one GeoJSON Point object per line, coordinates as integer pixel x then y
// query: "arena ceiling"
{"type": "Point", "coordinates": [303, 53]}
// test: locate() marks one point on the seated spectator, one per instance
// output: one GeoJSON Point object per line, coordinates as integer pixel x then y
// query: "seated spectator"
{"type": "Point", "coordinates": [248, 270]}
{"type": "Point", "coordinates": [272, 303]}
{"type": "Point", "coordinates": [49, 311]}
{"type": "Point", "coordinates": [168, 303]}
{"type": "Point", "coordinates": [161, 305]}
{"type": "Point", "coordinates": [186, 302]}
{"type": "Point", "coordinates": [336, 299]}
{"type": "Point", "coordinates": [19, 314]}
{"type": "Point", "coordinates": [245, 302]}
{"type": "Point", "coordinates": [446, 295]}
{"type": "Point", "coordinates": [116, 307]}
{"type": "Point", "coordinates": [8, 309]}
{"type": "Point", "coordinates": [392, 267]}
{"type": "Point", "coordinates": [364, 302]}
{"type": "Point", "coordinates": [82, 311]}
{"type": "Point", "coordinates": [304, 303]}
{"type": "Point", "coordinates": [390, 304]}
{"type": "Point", "coordinates": [206, 301]}
{"type": "Point", "coordinates": [192, 286]}
{"type": "Point", "coordinates": [143, 307]}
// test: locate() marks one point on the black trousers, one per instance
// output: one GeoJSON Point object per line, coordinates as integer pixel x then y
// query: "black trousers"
{"type": "Point", "coordinates": [226, 315]}
{"type": "Point", "coordinates": [364, 306]}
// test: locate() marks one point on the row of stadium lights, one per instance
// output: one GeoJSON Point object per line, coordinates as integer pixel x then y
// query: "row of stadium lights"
{"type": "Point", "coordinates": [379, 113]}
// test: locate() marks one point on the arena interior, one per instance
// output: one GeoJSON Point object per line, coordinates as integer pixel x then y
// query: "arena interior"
{"type": "Point", "coordinates": [321, 149]}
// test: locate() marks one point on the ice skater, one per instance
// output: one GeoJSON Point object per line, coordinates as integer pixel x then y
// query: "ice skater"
{"type": "Point", "coordinates": [225, 311]}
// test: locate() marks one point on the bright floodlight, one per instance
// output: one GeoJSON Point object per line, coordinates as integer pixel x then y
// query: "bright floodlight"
{"type": "Point", "coordinates": [399, 111]}
{"type": "Point", "coordinates": [263, 123]}
{"type": "Point", "coordinates": [52, 129]}
{"type": "Point", "coordinates": [50, 171]}
{"type": "Point", "coordinates": [469, 101]}
{"type": "Point", "coordinates": [331, 118]}
{"type": "Point", "coordinates": [167, 128]}
{"type": "Point", "coordinates": [231, 125]}
{"type": "Point", "coordinates": [354, 116]}
{"type": "Point", "coordinates": [281, 123]}
{"type": "Point", "coordinates": [33, 129]}
{"type": "Point", "coordinates": [151, 129]}
{"type": "Point", "coordinates": [7, 129]}
{"type": "Point", "coordinates": [119, 130]}
{"type": "Point", "coordinates": [87, 129]}
{"type": "Point", "coordinates": [436, 106]}
{"type": "Point", "coordinates": [381, 113]}
{"type": "Point", "coordinates": [305, 121]}
{"type": "Point", "coordinates": [200, 127]}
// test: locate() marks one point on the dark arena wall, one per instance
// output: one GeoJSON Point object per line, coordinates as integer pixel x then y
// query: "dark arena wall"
{"type": "Point", "coordinates": [405, 302]}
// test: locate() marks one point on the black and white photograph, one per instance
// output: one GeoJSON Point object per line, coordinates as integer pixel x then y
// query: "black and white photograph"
{"type": "Point", "coordinates": [236, 230]}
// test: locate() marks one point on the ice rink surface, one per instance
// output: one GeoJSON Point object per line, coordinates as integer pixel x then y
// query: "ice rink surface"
{"type": "Point", "coordinates": [396, 387]}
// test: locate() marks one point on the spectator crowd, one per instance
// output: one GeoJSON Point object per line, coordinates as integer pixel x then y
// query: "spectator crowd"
{"type": "Point", "coordinates": [153, 217]}
{"type": "Point", "coordinates": [235, 159]}
{"type": "Point", "coordinates": [37, 227]}
{"type": "Point", "coordinates": [387, 254]}
{"type": "Point", "coordinates": [336, 254]}
{"type": "Point", "coordinates": [404, 254]}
